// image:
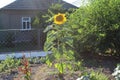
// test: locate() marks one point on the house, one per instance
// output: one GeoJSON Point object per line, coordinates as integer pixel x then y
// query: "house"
{"type": "Point", "coordinates": [18, 14]}
{"type": "Point", "coordinates": [16, 18]}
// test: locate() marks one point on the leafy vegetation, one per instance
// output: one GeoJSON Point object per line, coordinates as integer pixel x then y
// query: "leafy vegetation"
{"type": "Point", "coordinates": [42, 20]}
{"type": "Point", "coordinates": [37, 60]}
{"type": "Point", "coordinates": [106, 18]}
{"type": "Point", "coordinates": [25, 68]}
{"type": "Point", "coordinates": [98, 76]}
{"type": "Point", "coordinates": [95, 27]}
{"type": "Point", "coordinates": [45, 18]}
{"type": "Point", "coordinates": [9, 63]}
{"type": "Point", "coordinates": [93, 75]}
{"type": "Point", "coordinates": [60, 43]}
{"type": "Point", "coordinates": [92, 28]}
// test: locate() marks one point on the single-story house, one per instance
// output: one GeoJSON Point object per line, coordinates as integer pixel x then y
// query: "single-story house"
{"type": "Point", "coordinates": [18, 14]}
{"type": "Point", "coordinates": [16, 18]}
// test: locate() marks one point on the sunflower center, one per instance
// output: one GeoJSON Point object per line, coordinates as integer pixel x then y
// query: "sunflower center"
{"type": "Point", "coordinates": [59, 18]}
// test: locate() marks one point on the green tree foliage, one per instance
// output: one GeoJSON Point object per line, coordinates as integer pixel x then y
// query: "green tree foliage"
{"type": "Point", "coordinates": [96, 27]}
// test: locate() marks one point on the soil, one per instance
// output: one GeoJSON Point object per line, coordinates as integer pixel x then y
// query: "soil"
{"type": "Point", "coordinates": [42, 72]}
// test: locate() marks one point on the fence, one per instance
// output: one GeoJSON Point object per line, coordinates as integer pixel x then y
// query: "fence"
{"type": "Point", "coordinates": [13, 40]}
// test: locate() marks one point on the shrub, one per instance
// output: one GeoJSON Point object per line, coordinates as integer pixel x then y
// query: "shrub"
{"type": "Point", "coordinates": [96, 27]}
{"type": "Point", "coordinates": [106, 17]}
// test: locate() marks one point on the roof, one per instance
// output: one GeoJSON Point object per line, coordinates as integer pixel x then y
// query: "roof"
{"type": "Point", "coordinates": [34, 4]}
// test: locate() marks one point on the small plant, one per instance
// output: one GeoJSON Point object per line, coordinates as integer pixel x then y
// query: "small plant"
{"type": "Point", "coordinates": [85, 77]}
{"type": "Point", "coordinates": [93, 76]}
{"type": "Point", "coordinates": [25, 68]}
{"type": "Point", "coordinates": [98, 76]}
{"type": "Point", "coordinates": [61, 68]}
{"type": "Point", "coordinates": [37, 60]}
{"type": "Point", "coordinates": [34, 60]}
{"type": "Point", "coordinates": [116, 72]}
{"type": "Point", "coordinates": [9, 63]}
{"type": "Point", "coordinates": [43, 59]}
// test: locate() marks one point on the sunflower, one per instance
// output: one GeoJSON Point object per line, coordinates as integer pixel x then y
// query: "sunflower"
{"type": "Point", "coordinates": [59, 18]}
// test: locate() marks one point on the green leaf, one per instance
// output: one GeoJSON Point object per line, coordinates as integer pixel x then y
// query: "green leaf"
{"type": "Point", "coordinates": [48, 63]}
{"type": "Point", "coordinates": [80, 30]}
{"type": "Point", "coordinates": [61, 67]}
{"type": "Point", "coordinates": [51, 36]}
{"type": "Point", "coordinates": [74, 26]}
{"type": "Point", "coordinates": [102, 34]}
{"type": "Point", "coordinates": [36, 21]}
{"type": "Point", "coordinates": [48, 28]}
{"type": "Point", "coordinates": [48, 46]}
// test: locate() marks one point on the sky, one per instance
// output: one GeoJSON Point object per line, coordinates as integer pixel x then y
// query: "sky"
{"type": "Point", "coordinates": [6, 2]}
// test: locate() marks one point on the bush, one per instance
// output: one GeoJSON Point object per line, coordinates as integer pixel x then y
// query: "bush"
{"type": "Point", "coordinates": [96, 27]}
{"type": "Point", "coordinates": [106, 16]}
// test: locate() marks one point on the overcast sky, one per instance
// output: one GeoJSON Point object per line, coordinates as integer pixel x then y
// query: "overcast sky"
{"type": "Point", "coordinates": [6, 2]}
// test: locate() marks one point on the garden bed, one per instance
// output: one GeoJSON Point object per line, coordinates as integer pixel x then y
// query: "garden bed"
{"type": "Point", "coordinates": [43, 72]}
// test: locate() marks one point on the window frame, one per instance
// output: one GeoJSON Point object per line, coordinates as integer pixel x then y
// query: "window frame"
{"type": "Point", "coordinates": [26, 25]}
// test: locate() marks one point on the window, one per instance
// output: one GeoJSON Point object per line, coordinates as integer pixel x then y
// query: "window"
{"type": "Point", "coordinates": [26, 23]}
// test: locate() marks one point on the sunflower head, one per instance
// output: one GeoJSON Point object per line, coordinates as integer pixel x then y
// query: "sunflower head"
{"type": "Point", "coordinates": [59, 18]}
